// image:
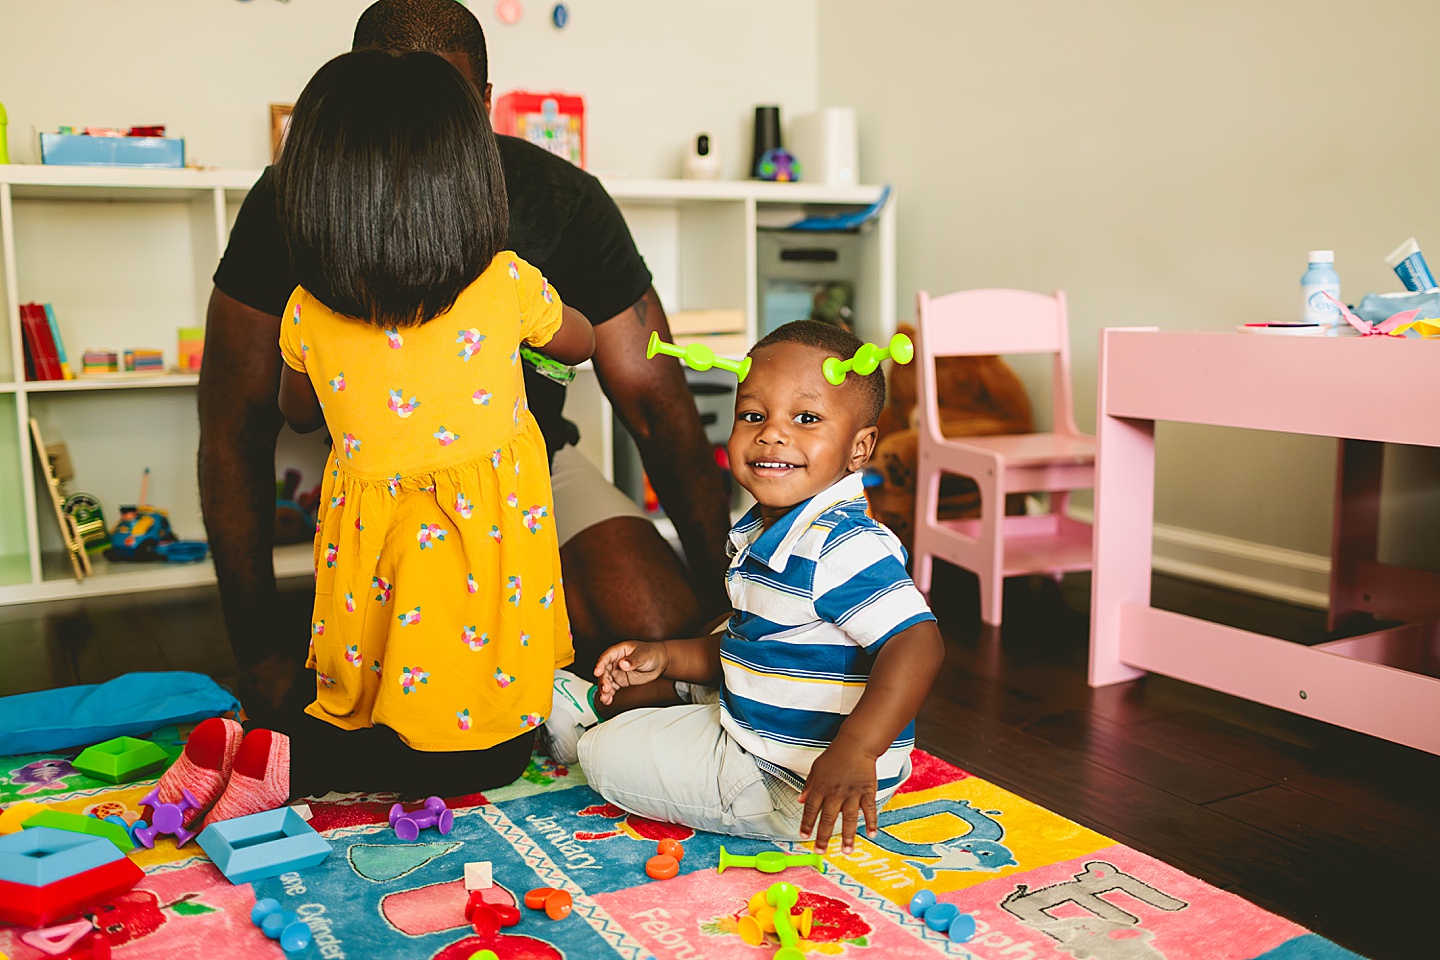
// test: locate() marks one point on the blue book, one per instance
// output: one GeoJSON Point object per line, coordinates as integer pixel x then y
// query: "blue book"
{"type": "Point", "coordinates": [59, 344]}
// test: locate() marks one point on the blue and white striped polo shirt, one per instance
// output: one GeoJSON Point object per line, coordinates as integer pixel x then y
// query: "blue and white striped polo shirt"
{"type": "Point", "coordinates": [816, 595]}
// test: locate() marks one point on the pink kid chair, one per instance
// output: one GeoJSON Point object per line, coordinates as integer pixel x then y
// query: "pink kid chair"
{"type": "Point", "coordinates": [996, 546]}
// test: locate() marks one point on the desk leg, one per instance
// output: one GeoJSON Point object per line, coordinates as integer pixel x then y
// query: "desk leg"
{"type": "Point", "coordinates": [1124, 520]}
{"type": "Point", "coordinates": [1355, 534]}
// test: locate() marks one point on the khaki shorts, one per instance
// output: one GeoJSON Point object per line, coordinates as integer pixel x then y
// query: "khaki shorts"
{"type": "Point", "coordinates": [583, 497]}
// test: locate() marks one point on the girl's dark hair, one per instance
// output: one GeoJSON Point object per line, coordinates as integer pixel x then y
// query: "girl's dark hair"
{"type": "Point", "coordinates": [389, 188]}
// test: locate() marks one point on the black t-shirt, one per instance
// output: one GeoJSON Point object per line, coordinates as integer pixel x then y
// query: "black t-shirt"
{"type": "Point", "coordinates": [561, 221]}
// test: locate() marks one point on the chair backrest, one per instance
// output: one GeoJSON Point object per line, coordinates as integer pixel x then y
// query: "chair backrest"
{"type": "Point", "coordinates": [993, 321]}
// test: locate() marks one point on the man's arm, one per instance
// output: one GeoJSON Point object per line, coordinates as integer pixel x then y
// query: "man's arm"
{"type": "Point", "coordinates": [239, 421]}
{"type": "Point", "coordinates": [656, 407]}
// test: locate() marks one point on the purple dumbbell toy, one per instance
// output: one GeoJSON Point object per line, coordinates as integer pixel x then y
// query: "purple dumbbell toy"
{"type": "Point", "coordinates": [167, 818]}
{"type": "Point", "coordinates": [434, 814]}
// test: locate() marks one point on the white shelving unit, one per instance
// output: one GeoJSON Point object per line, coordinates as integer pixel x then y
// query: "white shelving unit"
{"type": "Point", "coordinates": [125, 256]}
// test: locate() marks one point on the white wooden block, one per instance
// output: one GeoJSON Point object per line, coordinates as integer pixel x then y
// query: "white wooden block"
{"type": "Point", "coordinates": [304, 810]}
{"type": "Point", "coordinates": [477, 875]}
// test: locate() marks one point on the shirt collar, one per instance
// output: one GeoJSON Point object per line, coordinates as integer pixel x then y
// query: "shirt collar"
{"type": "Point", "coordinates": [773, 545]}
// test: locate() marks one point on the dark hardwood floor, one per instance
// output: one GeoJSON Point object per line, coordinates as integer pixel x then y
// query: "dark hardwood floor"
{"type": "Point", "coordinates": [1335, 830]}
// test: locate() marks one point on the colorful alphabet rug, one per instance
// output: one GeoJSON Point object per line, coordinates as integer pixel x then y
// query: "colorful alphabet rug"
{"type": "Point", "coordinates": [1037, 885]}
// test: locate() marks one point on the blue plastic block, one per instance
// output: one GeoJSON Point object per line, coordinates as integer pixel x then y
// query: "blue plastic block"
{"type": "Point", "coordinates": [962, 928]}
{"type": "Point", "coordinates": [263, 845]}
{"type": "Point", "coordinates": [940, 916]}
{"type": "Point", "coordinates": [41, 855]}
{"type": "Point", "coordinates": [295, 937]}
{"type": "Point", "coordinates": [923, 900]}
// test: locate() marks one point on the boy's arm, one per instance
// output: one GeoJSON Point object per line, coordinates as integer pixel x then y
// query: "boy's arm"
{"type": "Point", "coordinates": [636, 662]}
{"type": "Point", "coordinates": [842, 780]}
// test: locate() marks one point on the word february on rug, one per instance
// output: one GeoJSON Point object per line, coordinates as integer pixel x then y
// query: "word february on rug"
{"type": "Point", "coordinates": [1039, 886]}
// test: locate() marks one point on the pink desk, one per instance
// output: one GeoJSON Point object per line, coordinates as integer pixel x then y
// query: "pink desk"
{"type": "Point", "coordinates": [1365, 391]}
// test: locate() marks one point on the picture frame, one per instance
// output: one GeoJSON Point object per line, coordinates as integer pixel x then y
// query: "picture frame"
{"type": "Point", "coordinates": [279, 123]}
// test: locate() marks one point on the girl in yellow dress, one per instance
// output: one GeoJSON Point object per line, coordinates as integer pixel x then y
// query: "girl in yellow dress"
{"type": "Point", "coordinates": [439, 614]}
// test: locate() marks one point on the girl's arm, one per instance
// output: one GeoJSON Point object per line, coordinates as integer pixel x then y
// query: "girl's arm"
{"type": "Point", "coordinates": [574, 342]}
{"type": "Point", "coordinates": [298, 401]}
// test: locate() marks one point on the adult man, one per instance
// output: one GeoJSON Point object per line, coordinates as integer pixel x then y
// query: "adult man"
{"type": "Point", "coordinates": [621, 579]}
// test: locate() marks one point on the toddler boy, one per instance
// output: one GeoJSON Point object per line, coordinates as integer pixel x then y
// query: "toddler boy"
{"type": "Point", "coordinates": [826, 660]}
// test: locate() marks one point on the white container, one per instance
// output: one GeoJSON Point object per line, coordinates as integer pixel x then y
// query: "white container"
{"type": "Point", "coordinates": [1319, 279]}
{"type": "Point", "coordinates": [826, 145]}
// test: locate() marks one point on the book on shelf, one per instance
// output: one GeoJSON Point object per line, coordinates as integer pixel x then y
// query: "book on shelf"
{"type": "Point", "coordinates": [59, 343]}
{"type": "Point", "coordinates": [42, 362]}
{"type": "Point", "coordinates": [689, 322]}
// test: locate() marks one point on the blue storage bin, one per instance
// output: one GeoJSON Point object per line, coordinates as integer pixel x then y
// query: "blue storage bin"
{"type": "Point", "coordinates": [75, 149]}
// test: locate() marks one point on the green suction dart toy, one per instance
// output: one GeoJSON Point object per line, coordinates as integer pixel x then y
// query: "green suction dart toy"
{"type": "Point", "coordinates": [768, 861]}
{"type": "Point", "coordinates": [783, 897]}
{"type": "Point", "coordinates": [868, 358]}
{"type": "Point", "coordinates": [697, 356]}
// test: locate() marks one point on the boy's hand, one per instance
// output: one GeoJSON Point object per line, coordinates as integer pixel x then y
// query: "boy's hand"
{"type": "Point", "coordinates": [629, 664]}
{"type": "Point", "coordinates": [841, 783]}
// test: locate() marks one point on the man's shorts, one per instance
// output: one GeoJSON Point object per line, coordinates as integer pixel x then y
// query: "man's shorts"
{"type": "Point", "coordinates": [583, 497]}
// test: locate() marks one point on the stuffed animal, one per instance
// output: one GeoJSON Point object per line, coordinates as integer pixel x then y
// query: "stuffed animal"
{"type": "Point", "coordinates": [978, 396]}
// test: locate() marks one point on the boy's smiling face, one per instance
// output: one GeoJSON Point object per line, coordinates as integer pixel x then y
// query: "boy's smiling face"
{"type": "Point", "coordinates": [795, 434]}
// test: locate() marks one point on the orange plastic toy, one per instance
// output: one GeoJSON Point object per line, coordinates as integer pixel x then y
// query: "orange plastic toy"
{"type": "Point", "coordinates": [536, 898]}
{"type": "Point", "coordinates": [558, 905]}
{"type": "Point", "coordinates": [662, 866]}
{"type": "Point", "coordinates": [671, 847]}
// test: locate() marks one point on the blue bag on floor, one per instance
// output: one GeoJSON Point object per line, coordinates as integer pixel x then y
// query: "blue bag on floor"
{"type": "Point", "coordinates": [132, 705]}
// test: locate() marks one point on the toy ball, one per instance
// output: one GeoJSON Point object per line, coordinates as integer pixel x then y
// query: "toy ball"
{"type": "Point", "coordinates": [779, 165]}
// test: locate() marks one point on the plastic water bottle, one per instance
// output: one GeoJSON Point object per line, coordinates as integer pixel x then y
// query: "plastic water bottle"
{"type": "Point", "coordinates": [1317, 281]}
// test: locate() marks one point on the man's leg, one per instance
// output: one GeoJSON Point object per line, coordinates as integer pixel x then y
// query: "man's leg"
{"type": "Point", "coordinates": [622, 580]}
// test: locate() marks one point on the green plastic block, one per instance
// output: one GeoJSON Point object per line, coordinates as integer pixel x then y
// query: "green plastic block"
{"type": "Point", "coordinates": [121, 760]}
{"type": "Point", "coordinates": [80, 823]}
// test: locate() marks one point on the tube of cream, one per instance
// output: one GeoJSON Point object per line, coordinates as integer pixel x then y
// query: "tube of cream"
{"type": "Point", "coordinates": [1409, 263]}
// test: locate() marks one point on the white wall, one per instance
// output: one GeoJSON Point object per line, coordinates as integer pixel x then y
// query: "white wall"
{"type": "Point", "coordinates": [653, 72]}
{"type": "Point", "coordinates": [1166, 164]}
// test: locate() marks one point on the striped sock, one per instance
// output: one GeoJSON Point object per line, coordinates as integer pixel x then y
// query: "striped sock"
{"type": "Point", "coordinates": [260, 779]}
{"type": "Point", "coordinates": [203, 768]}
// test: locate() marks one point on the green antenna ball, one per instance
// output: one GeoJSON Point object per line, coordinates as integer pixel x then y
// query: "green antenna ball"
{"type": "Point", "coordinates": [868, 359]}
{"type": "Point", "coordinates": [697, 356]}
{"type": "Point", "coordinates": [768, 861]}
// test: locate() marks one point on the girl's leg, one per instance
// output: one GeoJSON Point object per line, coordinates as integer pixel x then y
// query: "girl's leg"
{"type": "Point", "coordinates": [376, 760]}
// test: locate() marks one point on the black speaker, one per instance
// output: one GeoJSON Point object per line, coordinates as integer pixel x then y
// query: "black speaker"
{"type": "Point", "coordinates": [767, 135]}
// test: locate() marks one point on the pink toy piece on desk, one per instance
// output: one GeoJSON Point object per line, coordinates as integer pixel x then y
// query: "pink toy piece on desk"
{"type": "Point", "coordinates": [409, 824]}
{"type": "Point", "coordinates": [168, 818]}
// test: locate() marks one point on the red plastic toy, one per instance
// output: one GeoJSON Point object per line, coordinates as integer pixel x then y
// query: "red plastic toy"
{"type": "Point", "coordinates": [40, 906]}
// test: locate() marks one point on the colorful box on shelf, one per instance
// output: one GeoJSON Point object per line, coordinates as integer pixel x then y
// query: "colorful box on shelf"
{"type": "Point", "coordinates": [552, 121]}
{"type": "Point", "coordinates": [100, 361]}
{"type": "Point", "coordinates": [142, 360]}
{"type": "Point", "coordinates": [191, 349]}
{"type": "Point", "coordinates": [77, 149]}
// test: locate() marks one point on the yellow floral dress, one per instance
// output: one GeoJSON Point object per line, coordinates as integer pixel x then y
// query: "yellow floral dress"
{"type": "Point", "coordinates": [438, 603]}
